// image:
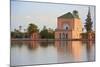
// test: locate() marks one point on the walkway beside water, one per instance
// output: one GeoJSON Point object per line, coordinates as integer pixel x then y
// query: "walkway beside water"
{"type": "Point", "coordinates": [29, 39]}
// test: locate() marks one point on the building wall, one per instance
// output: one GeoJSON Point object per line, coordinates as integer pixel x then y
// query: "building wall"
{"type": "Point", "coordinates": [68, 34]}
{"type": "Point", "coordinates": [74, 28]}
{"type": "Point", "coordinates": [35, 36]}
{"type": "Point", "coordinates": [62, 21]}
{"type": "Point", "coordinates": [76, 32]}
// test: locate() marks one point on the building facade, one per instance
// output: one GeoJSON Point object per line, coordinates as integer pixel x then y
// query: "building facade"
{"type": "Point", "coordinates": [35, 36]}
{"type": "Point", "coordinates": [69, 26]}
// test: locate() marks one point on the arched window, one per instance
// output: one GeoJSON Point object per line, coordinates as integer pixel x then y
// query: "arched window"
{"type": "Point", "coordinates": [65, 26]}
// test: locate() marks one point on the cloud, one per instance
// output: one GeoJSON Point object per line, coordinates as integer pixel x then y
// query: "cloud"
{"type": "Point", "coordinates": [28, 17]}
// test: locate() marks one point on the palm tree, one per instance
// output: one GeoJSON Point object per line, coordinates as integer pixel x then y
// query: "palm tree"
{"type": "Point", "coordinates": [20, 28]}
{"type": "Point", "coordinates": [32, 28]}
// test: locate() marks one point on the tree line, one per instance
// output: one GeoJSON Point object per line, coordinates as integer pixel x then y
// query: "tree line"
{"type": "Point", "coordinates": [45, 33]}
{"type": "Point", "coordinates": [48, 33]}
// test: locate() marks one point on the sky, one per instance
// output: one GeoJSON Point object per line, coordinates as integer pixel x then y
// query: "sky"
{"type": "Point", "coordinates": [44, 14]}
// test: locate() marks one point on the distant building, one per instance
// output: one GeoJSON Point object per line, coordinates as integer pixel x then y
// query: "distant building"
{"type": "Point", "coordinates": [91, 36]}
{"type": "Point", "coordinates": [35, 36]}
{"type": "Point", "coordinates": [69, 26]}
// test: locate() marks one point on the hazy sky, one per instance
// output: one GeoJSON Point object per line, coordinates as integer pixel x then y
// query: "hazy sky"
{"type": "Point", "coordinates": [23, 13]}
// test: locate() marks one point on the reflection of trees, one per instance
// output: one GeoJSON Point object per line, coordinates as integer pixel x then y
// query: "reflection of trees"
{"type": "Point", "coordinates": [16, 43]}
{"type": "Point", "coordinates": [90, 50]}
{"type": "Point", "coordinates": [46, 43]}
{"type": "Point", "coordinates": [30, 44]}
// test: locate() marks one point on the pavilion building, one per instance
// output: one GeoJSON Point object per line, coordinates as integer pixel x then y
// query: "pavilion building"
{"type": "Point", "coordinates": [69, 26]}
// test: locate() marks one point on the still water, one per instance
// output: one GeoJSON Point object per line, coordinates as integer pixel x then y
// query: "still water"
{"type": "Point", "coordinates": [43, 52]}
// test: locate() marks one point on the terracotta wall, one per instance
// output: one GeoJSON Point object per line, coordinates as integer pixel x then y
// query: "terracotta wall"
{"type": "Point", "coordinates": [74, 31]}
{"type": "Point", "coordinates": [35, 36]}
{"type": "Point", "coordinates": [62, 21]}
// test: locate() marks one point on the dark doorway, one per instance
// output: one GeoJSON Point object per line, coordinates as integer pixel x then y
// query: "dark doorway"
{"type": "Point", "coordinates": [66, 36]}
{"type": "Point", "coordinates": [66, 28]}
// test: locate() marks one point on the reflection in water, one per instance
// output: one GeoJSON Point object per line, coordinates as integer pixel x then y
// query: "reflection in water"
{"type": "Point", "coordinates": [30, 44]}
{"type": "Point", "coordinates": [42, 52]}
{"type": "Point", "coordinates": [77, 50]}
{"type": "Point", "coordinates": [71, 48]}
{"type": "Point", "coordinates": [16, 43]}
{"type": "Point", "coordinates": [90, 50]}
{"type": "Point", "coordinates": [44, 44]}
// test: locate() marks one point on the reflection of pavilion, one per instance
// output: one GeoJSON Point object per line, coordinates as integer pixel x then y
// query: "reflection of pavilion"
{"type": "Point", "coordinates": [72, 49]}
{"type": "Point", "coordinates": [77, 50]}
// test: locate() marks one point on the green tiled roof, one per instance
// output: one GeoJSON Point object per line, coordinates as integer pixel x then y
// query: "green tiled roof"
{"type": "Point", "coordinates": [68, 15]}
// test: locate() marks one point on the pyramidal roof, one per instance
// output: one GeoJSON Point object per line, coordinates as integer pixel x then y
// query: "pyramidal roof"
{"type": "Point", "coordinates": [68, 15]}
